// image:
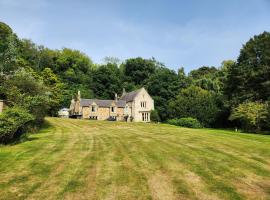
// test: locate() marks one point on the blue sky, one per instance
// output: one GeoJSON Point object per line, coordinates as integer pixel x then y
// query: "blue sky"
{"type": "Point", "coordinates": [188, 33]}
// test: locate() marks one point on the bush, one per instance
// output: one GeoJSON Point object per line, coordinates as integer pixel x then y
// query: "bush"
{"type": "Point", "coordinates": [12, 122]}
{"type": "Point", "coordinates": [253, 116]}
{"type": "Point", "coordinates": [185, 122]}
{"type": "Point", "coordinates": [154, 116]}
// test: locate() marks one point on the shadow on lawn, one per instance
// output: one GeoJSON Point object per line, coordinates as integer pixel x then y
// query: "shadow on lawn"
{"type": "Point", "coordinates": [21, 137]}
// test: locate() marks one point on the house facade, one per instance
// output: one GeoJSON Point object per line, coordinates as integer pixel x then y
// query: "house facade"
{"type": "Point", "coordinates": [133, 106]}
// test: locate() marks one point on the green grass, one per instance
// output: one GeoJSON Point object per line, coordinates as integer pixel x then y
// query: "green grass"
{"type": "Point", "coordinates": [76, 159]}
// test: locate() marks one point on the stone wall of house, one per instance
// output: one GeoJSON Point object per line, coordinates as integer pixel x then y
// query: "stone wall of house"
{"type": "Point", "coordinates": [93, 114]}
{"type": "Point", "coordinates": [103, 113]}
{"type": "Point", "coordinates": [2, 105]}
{"type": "Point", "coordinates": [120, 113]}
{"type": "Point", "coordinates": [85, 112]}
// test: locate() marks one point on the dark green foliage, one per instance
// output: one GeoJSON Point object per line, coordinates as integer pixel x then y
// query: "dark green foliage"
{"type": "Point", "coordinates": [55, 90]}
{"type": "Point", "coordinates": [43, 80]}
{"type": "Point", "coordinates": [185, 122]}
{"type": "Point", "coordinates": [138, 70]}
{"type": "Point", "coordinates": [38, 106]}
{"type": "Point", "coordinates": [155, 116]}
{"type": "Point", "coordinates": [73, 66]}
{"type": "Point", "coordinates": [25, 90]}
{"type": "Point", "coordinates": [197, 103]}
{"type": "Point", "coordinates": [106, 81]}
{"type": "Point", "coordinates": [5, 32]}
{"type": "Point", "coordinates": [207, 78]}
{"type": "Point", "coordinates": [249, 78]}
{"type": "Point", "coordinates": [8, 49]}
{"type": "Point", "coordinates": [12, 122]}
{"type": "Point", "coordinates": [164, 85]}
{"type": "Point", "coordinates": [203, 72]}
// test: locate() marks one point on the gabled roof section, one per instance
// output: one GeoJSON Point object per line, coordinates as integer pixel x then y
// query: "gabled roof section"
{"type": "Point", "coordinates": [103, 103]}
{"type": "Point", "coordinates": [130, 96]}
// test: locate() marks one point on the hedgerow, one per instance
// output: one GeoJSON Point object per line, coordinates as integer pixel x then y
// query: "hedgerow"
{"type": "Point", "coordinates": [12, 123]}
{"type": "Point", "coordinates": [185, 122]}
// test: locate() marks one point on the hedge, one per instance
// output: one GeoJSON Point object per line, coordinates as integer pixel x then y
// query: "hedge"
{"type": "Point", "coordinates": [185, 122]}
{"type": "Point", "coordinates": [12, 122]}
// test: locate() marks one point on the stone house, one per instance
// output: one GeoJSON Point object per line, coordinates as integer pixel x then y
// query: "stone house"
{"type": "Point", "coordinates": [133, 106]}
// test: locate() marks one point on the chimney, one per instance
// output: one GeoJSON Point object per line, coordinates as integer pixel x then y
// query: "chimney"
{"type": "Point", "coordinates": [124, 92]}
{"type": "Point", "coordinates": [79, 94]}
{"type": "Point", "coordinates": [115, 97]}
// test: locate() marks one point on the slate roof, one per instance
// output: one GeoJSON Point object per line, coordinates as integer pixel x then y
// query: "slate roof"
{"type": "Point", "coordinates": [130, 96]}
{"type": "Point", "coordinates": [103, 103]}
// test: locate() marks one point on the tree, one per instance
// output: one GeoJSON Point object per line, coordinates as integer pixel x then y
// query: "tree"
{"type": "Point", "coordinates": [154, 116]}
{"type": "Point", "coordinates": [8, 49]}
{"type": "Point", "coordinates": [5, 32]}
{"type": "Point", "coordinates": [55, 90]}
{"type": "Point", "coordinates": [207, 78]}
{"type": "Point", "coordinates": [138, 70]}
{"type": "Point", "coordinates": [197, 103]}
{"type": "Point", "coordinates": [249, 78]}
{"type": "Point", "coordinates": [22, 84]}
{"type": "Point", "coordinates": [164, 85]}
{"type": "Point", "coordinates": [204, 71]}
{"type": "Point", "coordinates": [25, 89]}
{"type": "Point", "coordinates": [251, 115]}
{"type": "Point", "coordinates": [106, 81]}
{"type": "Point", "coordinates": [74, 67]}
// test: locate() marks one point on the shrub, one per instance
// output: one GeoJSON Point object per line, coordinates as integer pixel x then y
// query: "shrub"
{"type": "Point", "coordinates": [185, 122]}
{"type": "Point", "coordinates": [251, 115]}
{"type": "Point", "coordinates": [12, 122]}
{"type": "Point", "coordinates": [154, 116]}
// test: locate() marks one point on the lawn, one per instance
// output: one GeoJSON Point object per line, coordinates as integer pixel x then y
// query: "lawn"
{"type": "Point", "coordinates": [78, 159]}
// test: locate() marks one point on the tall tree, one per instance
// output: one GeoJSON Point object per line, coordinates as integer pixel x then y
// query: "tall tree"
{"type": "Point", "coordinates": [138, 70]}
{"type": "Point", "coordinates": [106, 81]}
{"type": "Point", "coordinates": [164, 85]}
{"type": "Point", "coordinates": [197, 103]}
{"type": "Point", "coordinates": [249, 78]}
{"type": "Point", "coordinates": [8, 49]}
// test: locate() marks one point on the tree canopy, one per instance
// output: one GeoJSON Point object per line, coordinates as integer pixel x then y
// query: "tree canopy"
{"type": "Point", "coordinates": [32, 75]}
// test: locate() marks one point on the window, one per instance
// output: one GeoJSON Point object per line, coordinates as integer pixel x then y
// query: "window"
{"type": "Point", "coordinates": [126, 110]}
{"type": "Point", "coordinates": [113, 109]}
{"type": "Point", "coordinates": [93, 108]}
{"type": "Point", "coordinates": [143, 104]}
{"type": "Point", "coordinates": [145, 117]}
{"type": "Point", "coordinates": [93, 117]}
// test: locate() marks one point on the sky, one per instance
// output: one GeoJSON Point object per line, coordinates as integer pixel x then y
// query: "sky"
{"type": "Point", "coordinates": [178, 33]}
